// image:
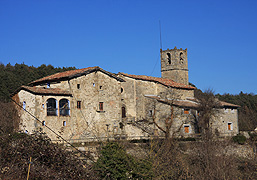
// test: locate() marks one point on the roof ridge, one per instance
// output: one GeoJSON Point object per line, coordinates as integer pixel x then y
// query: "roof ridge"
{"type": "Point", "coordinates": [164, 81]}
{"type": "Point", "coordinates": [72, 74]}
{"type": "Point", "coordinates": [63, 74]}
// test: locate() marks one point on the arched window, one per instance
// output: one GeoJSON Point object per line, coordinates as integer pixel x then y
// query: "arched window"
{"type": "Point", "coordinates": [64, 107]}
{"type": "Point", "coordinates": [181, 56]}
{"type": "Point", "coordinates": [169, 59]}
{"type": "Point", "coordinates": [123, 112]}
{"type": "Point", "coordinates": [52, 109]}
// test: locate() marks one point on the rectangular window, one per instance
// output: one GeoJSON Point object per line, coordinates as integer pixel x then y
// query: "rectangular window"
{"type": "Point", "coordinates": [78, 86]}
{"type": "Point", "coordinates": [79, 104]}
{"type": "Point", "coordinates": [230, 126]}
{"type": "Point", "coordinates": [186, 111]}
{"type": "Point", "coordinates": [186, 129]}
{"type": "Point", "coordinates": [101, 106]}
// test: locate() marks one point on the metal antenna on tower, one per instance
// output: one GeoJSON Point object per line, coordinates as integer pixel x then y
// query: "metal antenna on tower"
{"type": "Point", "coordinates": [160, 34]}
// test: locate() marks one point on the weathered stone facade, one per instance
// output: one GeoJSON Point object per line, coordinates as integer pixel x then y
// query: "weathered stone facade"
{"type": "Point", "coordinates": [92, 103]}
{"type": "Point", "coordinates": [174, 65]}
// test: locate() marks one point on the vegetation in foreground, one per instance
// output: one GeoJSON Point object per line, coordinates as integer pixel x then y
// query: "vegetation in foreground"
{"type": "Point", "coordinates": [160, 159]}
{"type": "Point", "coordinates": [156, 159]}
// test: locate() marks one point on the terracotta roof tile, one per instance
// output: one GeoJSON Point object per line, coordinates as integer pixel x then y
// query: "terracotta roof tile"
{"type": "Point", "coordinates": [45, 91]}
{"type": "Point", "coordinates": [65, 74]}
{"type": "Point", "coordinates": [71, 74]}
{"type": "Point", "coordinates": [166, 82]}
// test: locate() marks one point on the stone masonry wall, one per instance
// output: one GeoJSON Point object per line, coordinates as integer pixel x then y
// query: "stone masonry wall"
{"type": "Point", "coordinates": [86, 122]}
{"type": "Point", "coordinates": [222, 119]}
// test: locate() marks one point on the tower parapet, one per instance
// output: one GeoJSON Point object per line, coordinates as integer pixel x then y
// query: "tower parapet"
{"type": "Point", "coordinates": [174, 65]}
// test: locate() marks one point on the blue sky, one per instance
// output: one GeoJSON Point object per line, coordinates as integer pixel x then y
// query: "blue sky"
{"type": "Point", "coordinates": [124, 36]}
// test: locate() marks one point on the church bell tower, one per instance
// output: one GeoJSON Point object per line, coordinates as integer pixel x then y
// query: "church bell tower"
{"type": "Point", "coordinates": [174, 65]}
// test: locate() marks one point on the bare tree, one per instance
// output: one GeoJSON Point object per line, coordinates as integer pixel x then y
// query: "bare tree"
{"type": "Point", "coordinates": [165, 112]}
{"type": "Point", "coordinates": [9, 121]}
{"type": "Point", "coordinates": [168, 121]}
{"type": "Point", "coordinates": [210, 159]}
{"type": "Point", "coordinates": [207, 109]}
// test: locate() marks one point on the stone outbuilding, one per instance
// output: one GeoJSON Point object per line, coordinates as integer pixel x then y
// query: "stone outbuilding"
{"type": "Point", "coordinates": [93, 104]}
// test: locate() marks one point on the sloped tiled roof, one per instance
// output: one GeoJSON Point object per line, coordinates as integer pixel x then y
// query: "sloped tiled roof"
{"type": "Point", "coordinates": [72, 74]}
{"type": "Point", "coordinates": [175, 102]}
{"type": "Point", "coordinates": [163, 81]}
{"type": "Point", "coordinates": [190, 102]}
{"type": "Point", "coordinates": [44, 91]}
{"type": "Point", "coordinates": [219, 103]}
{"type": "Point", "coordinates": [226, 104]}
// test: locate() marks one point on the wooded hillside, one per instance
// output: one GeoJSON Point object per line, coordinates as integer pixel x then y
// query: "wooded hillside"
{"type": "Point", "coordinates": [12, 77]}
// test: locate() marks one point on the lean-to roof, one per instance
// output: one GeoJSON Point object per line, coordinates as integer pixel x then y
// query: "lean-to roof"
{"type": "Point", "coordinates": [44, 91]}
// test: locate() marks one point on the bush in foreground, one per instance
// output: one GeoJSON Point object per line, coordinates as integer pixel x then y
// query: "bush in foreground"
{"type": "Point", "coordinates": [49, 161]}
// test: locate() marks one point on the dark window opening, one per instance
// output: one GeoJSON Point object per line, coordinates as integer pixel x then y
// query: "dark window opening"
{"type": "Point", "coordinates": [169, 59]}
{"type": "Point", "coordinates": [121, 125]}
{"type": "Point", "coordinates": [64, 107]}
{"type": "Point", "coordinates": [121, 90]}
{"type": "Point", "coordinates": [100, 87]}
{"type": "Point", "coordinates": [64, 123]}
{"type": "Point", "coordinates": [51, 107]}
{"type": "Point", "coordinates": [123, 112]}
{"type": "Point", "coordinates": [78, 86]}
{"type": "Point", "coordinates": [43, 123]}
{"type": "Point", "coordinates": [150, 112]}
{"type": "Point", "coordinates": [79, 104]}
{"type": "Point", "coordinates": [181, 56]}
{"type": "Point", "coordinates": [101, 106]}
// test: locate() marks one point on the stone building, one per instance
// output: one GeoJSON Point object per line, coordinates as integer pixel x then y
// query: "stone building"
{"type": "Point", "coordinates": [91, 104]}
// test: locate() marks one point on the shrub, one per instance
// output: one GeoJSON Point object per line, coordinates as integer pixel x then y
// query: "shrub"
{"type": "Point", "coordinates": [115, 163]}
{"type": "Point", "coordinates": [240, 139]}
{"type": "Point", "coordinates": [49, 161]}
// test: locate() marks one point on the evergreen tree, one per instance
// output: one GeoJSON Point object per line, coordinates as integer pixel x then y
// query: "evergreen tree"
{"type": "Point", "coordinates": [12, 77]}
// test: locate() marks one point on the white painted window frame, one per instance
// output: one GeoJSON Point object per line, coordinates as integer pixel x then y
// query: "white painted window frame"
{"type": "Point", "coordinates": [230, 126]}
{"type": "Point", "coordinates": [189, 126]}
